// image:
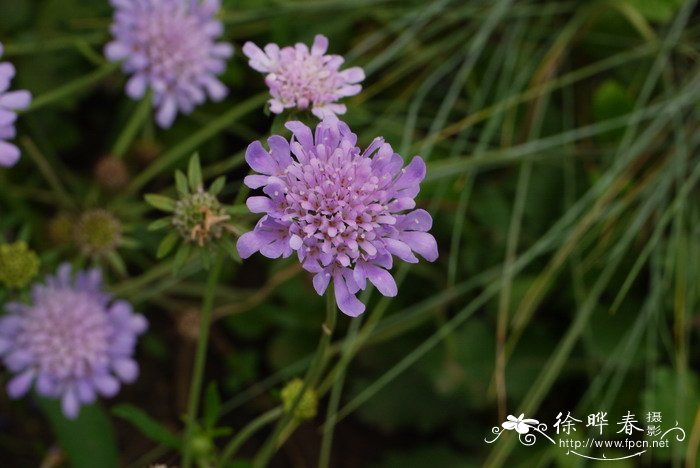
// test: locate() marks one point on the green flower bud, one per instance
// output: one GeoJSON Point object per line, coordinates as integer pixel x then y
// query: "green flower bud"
{"type": "Point", "coordinates": [18, 265]}
{"type": "Point", "coordinates": [60, 229]}
{"type": "Point", "coordinates": [97, 232]}
{"type": "Point", "coordinates": [306, 409]}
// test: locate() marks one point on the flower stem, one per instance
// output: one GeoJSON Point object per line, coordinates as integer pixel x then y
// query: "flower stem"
{"type": "Point", "coordinates": [200, 358]}
{"type": "Point", "coordinates": [245, 433]}
{"type": "Point", "coordinates": [310, 380]}
{"type": "Point", "coordinates": [71, 88]}
{"type": "Point", "coordinates": [135, 122]}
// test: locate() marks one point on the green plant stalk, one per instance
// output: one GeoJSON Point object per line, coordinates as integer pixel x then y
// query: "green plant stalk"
{"type": "Point", "coordinates": [334, 402]}
{"type": "Point", "coordinates": [132, 127]}
{"type": "Point", "coordinates": [200, 358]}
{"type": "Point", "coordinates": [310, 380]}
{"type": "Point", "coordinates": [245, 433]}
{"type": "Point", "coordinates": [71, 88]}
{"type": "Point", "coordinates": [189, 144]}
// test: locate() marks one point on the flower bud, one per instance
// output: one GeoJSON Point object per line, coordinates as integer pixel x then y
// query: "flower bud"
{"type": "Point", "coordinates": [97, 232]}
{"type": "Point", "coordinates": [306, 408]}
{"type": "Point", "coordinates": [18, 265]}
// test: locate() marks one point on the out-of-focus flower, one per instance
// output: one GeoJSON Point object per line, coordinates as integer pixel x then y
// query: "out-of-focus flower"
{"type": "Point", "coordinates": [72, 341]}
{"type": "Point", "coordinates": [60, 228]}
{"type": "Point", "coordinates": [169, 47]}
{"type": "Point", "coordinates": [344, 211]}
{"type": "Point", "coordinates": [10, 103]}
{"type": "Point", "coordinates": [303, 78]}
{"type": "Point", "coordinates": [97, 232]}
{"type": "Point", "coordinates": [18, 265]}
{"type": "Point", "coordinates": [308, 404]}
{"type": "Point", "coordinates": [197, 216]}
{"type": "Point", "coordinates": [111, 173]}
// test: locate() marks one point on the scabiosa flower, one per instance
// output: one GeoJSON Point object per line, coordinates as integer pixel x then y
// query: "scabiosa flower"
{"type": "Point", "coordinates": [170, 47]}
{"type": "Point", "coordinates": [344, 211]}
{"type": "Point", "coordinates": [303, 78]}
{"type": "Point", "coordinates": [72, 342]}
{"type": "Point", "coordinates": [10, 102]}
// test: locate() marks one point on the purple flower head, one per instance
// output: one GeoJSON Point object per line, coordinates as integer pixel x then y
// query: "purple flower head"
{"type": "Point", "coordinates": [170, 47]}
{"type": "Point", "coordinates": [72, 342]}
{"type": "Point", "coordinates": [10, 102]}
{"type": "Point", "coordinates": [303, 78]}
{"type": "Point", "coordinates": [344, 211]}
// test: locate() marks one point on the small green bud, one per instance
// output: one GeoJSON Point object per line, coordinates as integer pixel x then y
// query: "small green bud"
{"type": "Point", "coordinates": [97, 232]}
{"type": "Point", "coordinates": [200, 217]}
{"type": "Point", "coordinates": [18, 265]}
{"type": "Point", "coordinates": [60, 229]}
{"type": "Point", "coordinates": [306, 409]}
{"type": "Point", "coordinates": [201, 445]}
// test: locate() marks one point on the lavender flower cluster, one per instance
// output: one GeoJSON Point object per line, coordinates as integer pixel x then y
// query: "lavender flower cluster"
{"type": "Point", "coordinates": [343, 210]}
{"type": "Point", "coordinates": [346, 212]}
{"type": "Point", "coordinates": [10, 103]}
{"type": "Point", "coordinates": [71, 342]}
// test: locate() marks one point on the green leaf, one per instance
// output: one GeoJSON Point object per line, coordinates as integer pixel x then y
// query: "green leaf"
{"type": "Point", "coordinates": [218, 185]}
{"type": "Point", "coordinates": [160, 202]}
{"type": "Point", "coordinates": [212, 406]}
{"type": "Point", "coordinates": [161, 223]}
{"type": "Point", "coordinates": [147, 425]}
{"type": "Point", "coordinates": [194, 173]}
{"type": "Point", "coordinates": [181, 183]}
{"type": "Point", "coordinates": [230, 248]}
{"type": "Point", "coordinates": [181, 256]}
{"type": "Point", "coordinates": [116, 261]}
{"type": "Point", "coordinates": [661, 11]}
{"type": "Point", "coordinates": [167, 244]}
{"type": "Point", "coordinates": [89, 439]}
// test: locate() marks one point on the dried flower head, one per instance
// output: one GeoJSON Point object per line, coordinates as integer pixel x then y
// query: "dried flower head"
{"type": "Point", "coordinates": [305, 79]}
{"type": "Point", "coordinates": [18, 265]}
{"type": "Point", "coordinates": [170, 47]}
{"type": "Point", "coordinates": [308, 404]}
{"type": "Point", "coordinates": [10, 103]}
{"type": "Point", "coordinates": [97, 232]}
{"type": "Point", "coordinates": [72, 341]}
{"type": "Point", "coordinates": [344, 211]}
{"type": "Point", "coordinates": [111, 173]}
{"type": "Point", "coordinates": [197, 216]}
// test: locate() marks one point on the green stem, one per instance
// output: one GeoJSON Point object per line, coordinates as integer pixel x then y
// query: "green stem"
{"type": "Point", "coordinates": [72, 88]}
{"type": "Point", "coordinates": [245, 433]}
{"type": "Point", "coordinates": [189, 144]}
{"type": "Point", "coordinates": [200, 358]}
{"type": "Point", "coordinates": [310, 380]}
{"type": "Point", "coordinates": [138, 117]}
{"type": "Point", "coordinates": [334, 402]}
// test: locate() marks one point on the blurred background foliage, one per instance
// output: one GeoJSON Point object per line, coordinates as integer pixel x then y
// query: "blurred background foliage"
{"type": "Point", "coordinates": [562, 147]}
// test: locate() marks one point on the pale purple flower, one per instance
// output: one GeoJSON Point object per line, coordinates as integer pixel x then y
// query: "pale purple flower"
{"type": "Point", "coordinates": [10, 102]}
{"type": "Point", "coordinates": [303, 78]}
{"type": "Point", "coordinates": [170, 47]}
{"type": "Point", "coordinates": [72, 341]}
{"type": "Point", "coordinates": [344, 211]}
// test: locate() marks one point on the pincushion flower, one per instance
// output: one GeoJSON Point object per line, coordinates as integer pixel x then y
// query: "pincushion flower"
{"type": "Point", "coordinates": [10, 103]}
{"type": "Point", "coordinates": [303, 78]}
{"type": "Point", "coordinates": [72, 341]}
{"type": "Point", "coordinates": [170, 47]}
{"type": "Point", "coordinates": [345, 212]}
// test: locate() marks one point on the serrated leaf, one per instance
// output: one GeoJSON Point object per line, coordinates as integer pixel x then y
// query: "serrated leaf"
{"type": "Point", "coordinates": [167, 244]}
{"type": "Point", "coordinates": [160, 202]}
{"type": "Point", "coordinates": [217, 186]}
{"type": "Point", "coordinates": [181, 183]}
{"type": "Point", "coordinates": [212, 406]}
{"type": "Point", "coordinates": [147, 425]}
{"type": "Point", "coordinates": [161, 223]}
{"type": "Point", "coordinates": [194, 173]}
{"type": "Point", "coordinates": [88, 440]}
